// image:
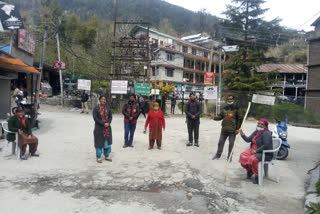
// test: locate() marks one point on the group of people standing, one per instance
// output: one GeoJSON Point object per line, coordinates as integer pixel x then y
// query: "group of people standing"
{"type": "Point", "coordinates": [230, 115]}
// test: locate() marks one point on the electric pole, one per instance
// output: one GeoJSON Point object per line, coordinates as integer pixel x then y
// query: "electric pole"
{"type": "Point", "coordinates": [60, 72]}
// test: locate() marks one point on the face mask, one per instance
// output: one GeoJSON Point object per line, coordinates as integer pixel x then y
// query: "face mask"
{"type": "Point", "coordinates": [156, 108]}
{"type": "Point", "coordinates": [229, 103]}
{"type": "Point", "coordinates": [259, 128]}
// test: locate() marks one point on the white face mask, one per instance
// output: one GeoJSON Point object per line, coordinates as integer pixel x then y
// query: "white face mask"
{"type": "Point", "coordinates": [259, 128]}
{"type": "Point", "coordinates": [229, 103]}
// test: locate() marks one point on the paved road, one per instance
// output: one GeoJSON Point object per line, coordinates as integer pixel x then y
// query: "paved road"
{"type": "Point", "coordinates": [177, 179]}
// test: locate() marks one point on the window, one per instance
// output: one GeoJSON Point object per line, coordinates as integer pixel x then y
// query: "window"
{"type": "Point", "coordinates": [170, 56]}
{"type": "Point", "coordinates": [206, 54]}
{"type": "Point", "coordinates": [194, 51]}
{"type": "Point", "coordinates": [169, 72]}
{"type": "Point", "coordinates": [185, 49]}
{"type": "Point", "coordinates": [154, 73]}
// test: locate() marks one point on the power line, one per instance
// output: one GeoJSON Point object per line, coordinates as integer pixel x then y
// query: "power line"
{"type": "Point", "coordinates": [309, 19]}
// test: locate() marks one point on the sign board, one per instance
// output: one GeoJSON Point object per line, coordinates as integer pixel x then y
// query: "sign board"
{"type": "Point", "coordinates": [59, 65]}
{"type": "Point", "coordinates": [231, 48]}
{"type": "Point", "coordinates": [142, 88]}
{"type": "Point", "coordinates": [210, 92]}
{"type": "Point", "coordinates": [10, 18]}
{"type": "Point", "coordinates": [119, 86]}
{"type": "Point", "coordinates": [263, 99]}
{"type": "Point", "coordinates": [155, 91]}
{"type": "Point", "coordinates": [208, 80]}
{"type": "Point", "coordinates": [84, 84]}
{"type": "Point", "coordinates": [26, 41]}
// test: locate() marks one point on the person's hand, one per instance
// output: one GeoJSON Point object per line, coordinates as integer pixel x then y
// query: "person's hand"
{"type": "Point", "coordinates": [253, 152]}
{"type": "Point", "coordinates": [19, 131]}
{"type": "Point", "coordinates": [212, 116]}
{"type": "Point", "coordinates": [164, 129]}
{"type": "Point", "coordinates": [106, 125]}
{"type": "Point", "coordinates": [130, 118]}
{"type": "Point", "coordinates": [193, 117]}
{"type": "Point", "coordinates": [29, 136]}
{"type": "Point", "coordinates": [241, 132]}
{"type": "Point", "coordinates": [237, 131]}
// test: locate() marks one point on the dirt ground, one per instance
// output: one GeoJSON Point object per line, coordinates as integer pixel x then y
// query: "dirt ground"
{"type": "Point", "coordinates": [177, 179]}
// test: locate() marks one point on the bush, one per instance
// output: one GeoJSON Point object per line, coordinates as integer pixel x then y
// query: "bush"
{"type": "Point", "coordinates": [318, 187]}
{"type": "Point", "coordinates": [295, 113]}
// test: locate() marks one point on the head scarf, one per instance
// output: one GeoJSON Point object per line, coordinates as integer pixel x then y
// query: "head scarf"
{"type": "Point", "coordinates": [19, 110]}
{"type": "Point", "coordinates": [266, 123]}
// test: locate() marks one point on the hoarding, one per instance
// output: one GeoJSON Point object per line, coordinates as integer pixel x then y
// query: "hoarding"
{"type": "Point", "coordinates": [119, 86]}
{"type": "Point", "coordinates": [26, 41]}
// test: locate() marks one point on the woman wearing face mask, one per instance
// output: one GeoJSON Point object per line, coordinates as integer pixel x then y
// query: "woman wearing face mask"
{"type": "Point", "coordinates": [156, 123]}
{"type": "Point", "coordinates": [261, 139]}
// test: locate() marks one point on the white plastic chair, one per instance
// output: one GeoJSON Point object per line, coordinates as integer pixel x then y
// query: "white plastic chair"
{"type": "Point", "coordinates": [264, 165]}
{"type": "Point", "coordinates": [15, 147]}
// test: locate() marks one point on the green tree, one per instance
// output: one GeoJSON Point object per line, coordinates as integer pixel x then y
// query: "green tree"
{"type": "Point", "coordinates": [166, 27]}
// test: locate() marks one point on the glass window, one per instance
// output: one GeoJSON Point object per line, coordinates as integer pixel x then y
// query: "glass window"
{"type": "Point", "coordinates": [194, 51]}
{"type": "Point", "coordinates": [170, 56]}
{"type": "Point", "coordinates": [169, 72]}
{"type": "Point", "coordinates": [185, 49]}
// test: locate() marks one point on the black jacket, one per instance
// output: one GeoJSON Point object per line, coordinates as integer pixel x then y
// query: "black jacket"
{"type": "Point", "coordinates": [98, 127]}
{"type": "Point", "coordinates": [264, 142]}
{"type": "Point", "coordinates": [84, 97]}
{"type": "Point", "coordinates": [193, 108]}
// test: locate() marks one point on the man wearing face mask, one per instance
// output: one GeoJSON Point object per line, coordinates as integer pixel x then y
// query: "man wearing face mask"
{"type": "Point", "coordinates": [131, 112]}
{"type": "Point", "coordinates": [193, 111]}
{"type": "Point", "coordinates": [231, 121]}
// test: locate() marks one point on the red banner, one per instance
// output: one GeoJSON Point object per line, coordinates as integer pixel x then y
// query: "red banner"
{"type": "Point", "coordinates": [208, 80]}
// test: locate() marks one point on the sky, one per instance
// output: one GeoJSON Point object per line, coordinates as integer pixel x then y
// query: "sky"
{"type": "Point", "coordinates": [295, 14]}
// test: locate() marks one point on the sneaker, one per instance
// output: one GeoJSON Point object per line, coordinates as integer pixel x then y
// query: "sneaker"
{"type": "Point", "coordinates": [125, 146]}
{"type": "Point", "coordinates": [81, 112]}
{"type": "Point", "coordinates": [189, 144]}
{"type": "Point", "coordinates": [35, 155]}
{"type": "Point", "coordinates": [249, 174]}
{"type": "Point", "coordinates": [23, 157]}
{"type": "Point", "coordinates": [196, 144]}
{"type": "Point", "coordinates": [230, 159]}
{"type": "Point", "coordinates": [131, 146]}
{"type": "Point", "coordinates": [99, 161]}
{"type": "Point", "coordinates": [108, 159]}
{"type": "Point", "coordinates": [215, 157]}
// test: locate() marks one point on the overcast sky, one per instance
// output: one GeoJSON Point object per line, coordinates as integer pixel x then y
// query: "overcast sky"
{"type": "Point", "coordinates": [296, 14]}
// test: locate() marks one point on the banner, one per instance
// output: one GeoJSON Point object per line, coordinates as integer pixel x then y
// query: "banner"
{"type": "Point", "coordinates": [119, 86]}
{"type": "Point", "coordinates": [263, 99]}
{"type": "Point", "coordinates": [26, 41]}
{"type": "Point", "coordinates": [84, 84]}
{"type": "Point", "coordinates": [208, 80]}
{"type": "Point", "coordinates": [210, 92]}
{"type": "Point", "coordinates": [10, 18]}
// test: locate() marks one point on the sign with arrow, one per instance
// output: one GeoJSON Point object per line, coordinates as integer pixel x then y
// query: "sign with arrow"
{"type": "Point", "coordinates": [10, 18]}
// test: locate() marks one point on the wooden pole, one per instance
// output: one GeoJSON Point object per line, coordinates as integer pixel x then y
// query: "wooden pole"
{"type": "Point", "coordinates": [235, 144]}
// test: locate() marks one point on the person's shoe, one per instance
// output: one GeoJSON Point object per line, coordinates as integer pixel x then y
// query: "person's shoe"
{"type": "Point", "coordinates": [125, 146]}
{"type": "Point", "coordinates": [23, 157]}
{"type": "Point", "coordinates": [99, 161]}
{"type": "Point", "coordinates": [189, 144]}
{"type": "Point", "coordinates": [249, 174]}
{"type": "Point", "coordinates": [256, 180]}
{"type": "Point", "coordinates": [35, 155]}
{"type": "Point", "coordinates": [87, 112]}
{"type": "Point", "coordinates": [131, 146]}
{"type": "Point", "coordinates": [196, 144]}
{"type": "Point", "coordinates": [108, 159]}
{"type": "Point", "coordinates": [215, 157]}
{"type": "Point", "coordinates": [150, 148]}
{"type": "Point", "coordinates": [230, 159]}
{"type": "Point", "coordinates": [159, 147]}
{"type": "Point", "coordinates": [81, 112]}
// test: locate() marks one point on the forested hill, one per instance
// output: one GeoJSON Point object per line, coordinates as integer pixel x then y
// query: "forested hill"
{"type": "Point", "coordinates": [182, 20]}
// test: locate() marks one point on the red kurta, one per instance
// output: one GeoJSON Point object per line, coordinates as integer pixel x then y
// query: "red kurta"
{"type": "Point", "coordinates": [156, 122]}
{"type": "Point", "coordinates": [248, 160]}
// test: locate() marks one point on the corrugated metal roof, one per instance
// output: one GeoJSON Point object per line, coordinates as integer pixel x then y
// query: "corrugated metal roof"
{"type": "Point", "coordinates": [283, 68]}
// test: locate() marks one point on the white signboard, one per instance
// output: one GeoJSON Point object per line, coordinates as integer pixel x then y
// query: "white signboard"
{"type": "Point", "coordinates": [210, 92]}
{"type": "Point", "coordinates": [231, 48]}
{"type": "Point", "coordinates": [84, 84]}
{"type": "Point", "coordinates": [263, 99]}
{"type": "Point", "coordinates": [155, 91]}
{"type": "Point", "coordinates": [119, 86]}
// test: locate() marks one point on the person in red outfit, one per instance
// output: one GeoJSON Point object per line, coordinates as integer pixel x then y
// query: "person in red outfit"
{"type": "Point", "coordinates": [261, 139]}
{"type": "Point", "coordinates": [156, 123]}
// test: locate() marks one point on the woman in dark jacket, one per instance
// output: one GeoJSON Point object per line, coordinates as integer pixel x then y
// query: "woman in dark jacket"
{"type": "Point", "coordinates": [261, 139]}
{"type": "Point", "coordinates": [102, 130]}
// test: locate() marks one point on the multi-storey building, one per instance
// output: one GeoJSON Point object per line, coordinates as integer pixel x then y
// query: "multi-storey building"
{"type": "Point", "coordinates": [177, 60]}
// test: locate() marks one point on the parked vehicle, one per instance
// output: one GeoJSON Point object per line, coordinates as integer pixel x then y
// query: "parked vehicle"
{"type": "Point", "coordinates": [281, 131]}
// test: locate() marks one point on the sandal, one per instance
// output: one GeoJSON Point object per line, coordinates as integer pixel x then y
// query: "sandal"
{"type": "Point", "coordinates": [99, 161]}
{"type": "Point", "coordinates": [108, 159]}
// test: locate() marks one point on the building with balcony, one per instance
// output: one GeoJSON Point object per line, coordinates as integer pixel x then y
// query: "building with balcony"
{"type": "Point", "coordinates": [292, 78]}
{"type": "Point", "coordinates": [179, 61]}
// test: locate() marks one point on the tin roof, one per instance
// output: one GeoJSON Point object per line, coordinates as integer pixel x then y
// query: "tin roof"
{"type": "Point", "coordinates": [283, 68]}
